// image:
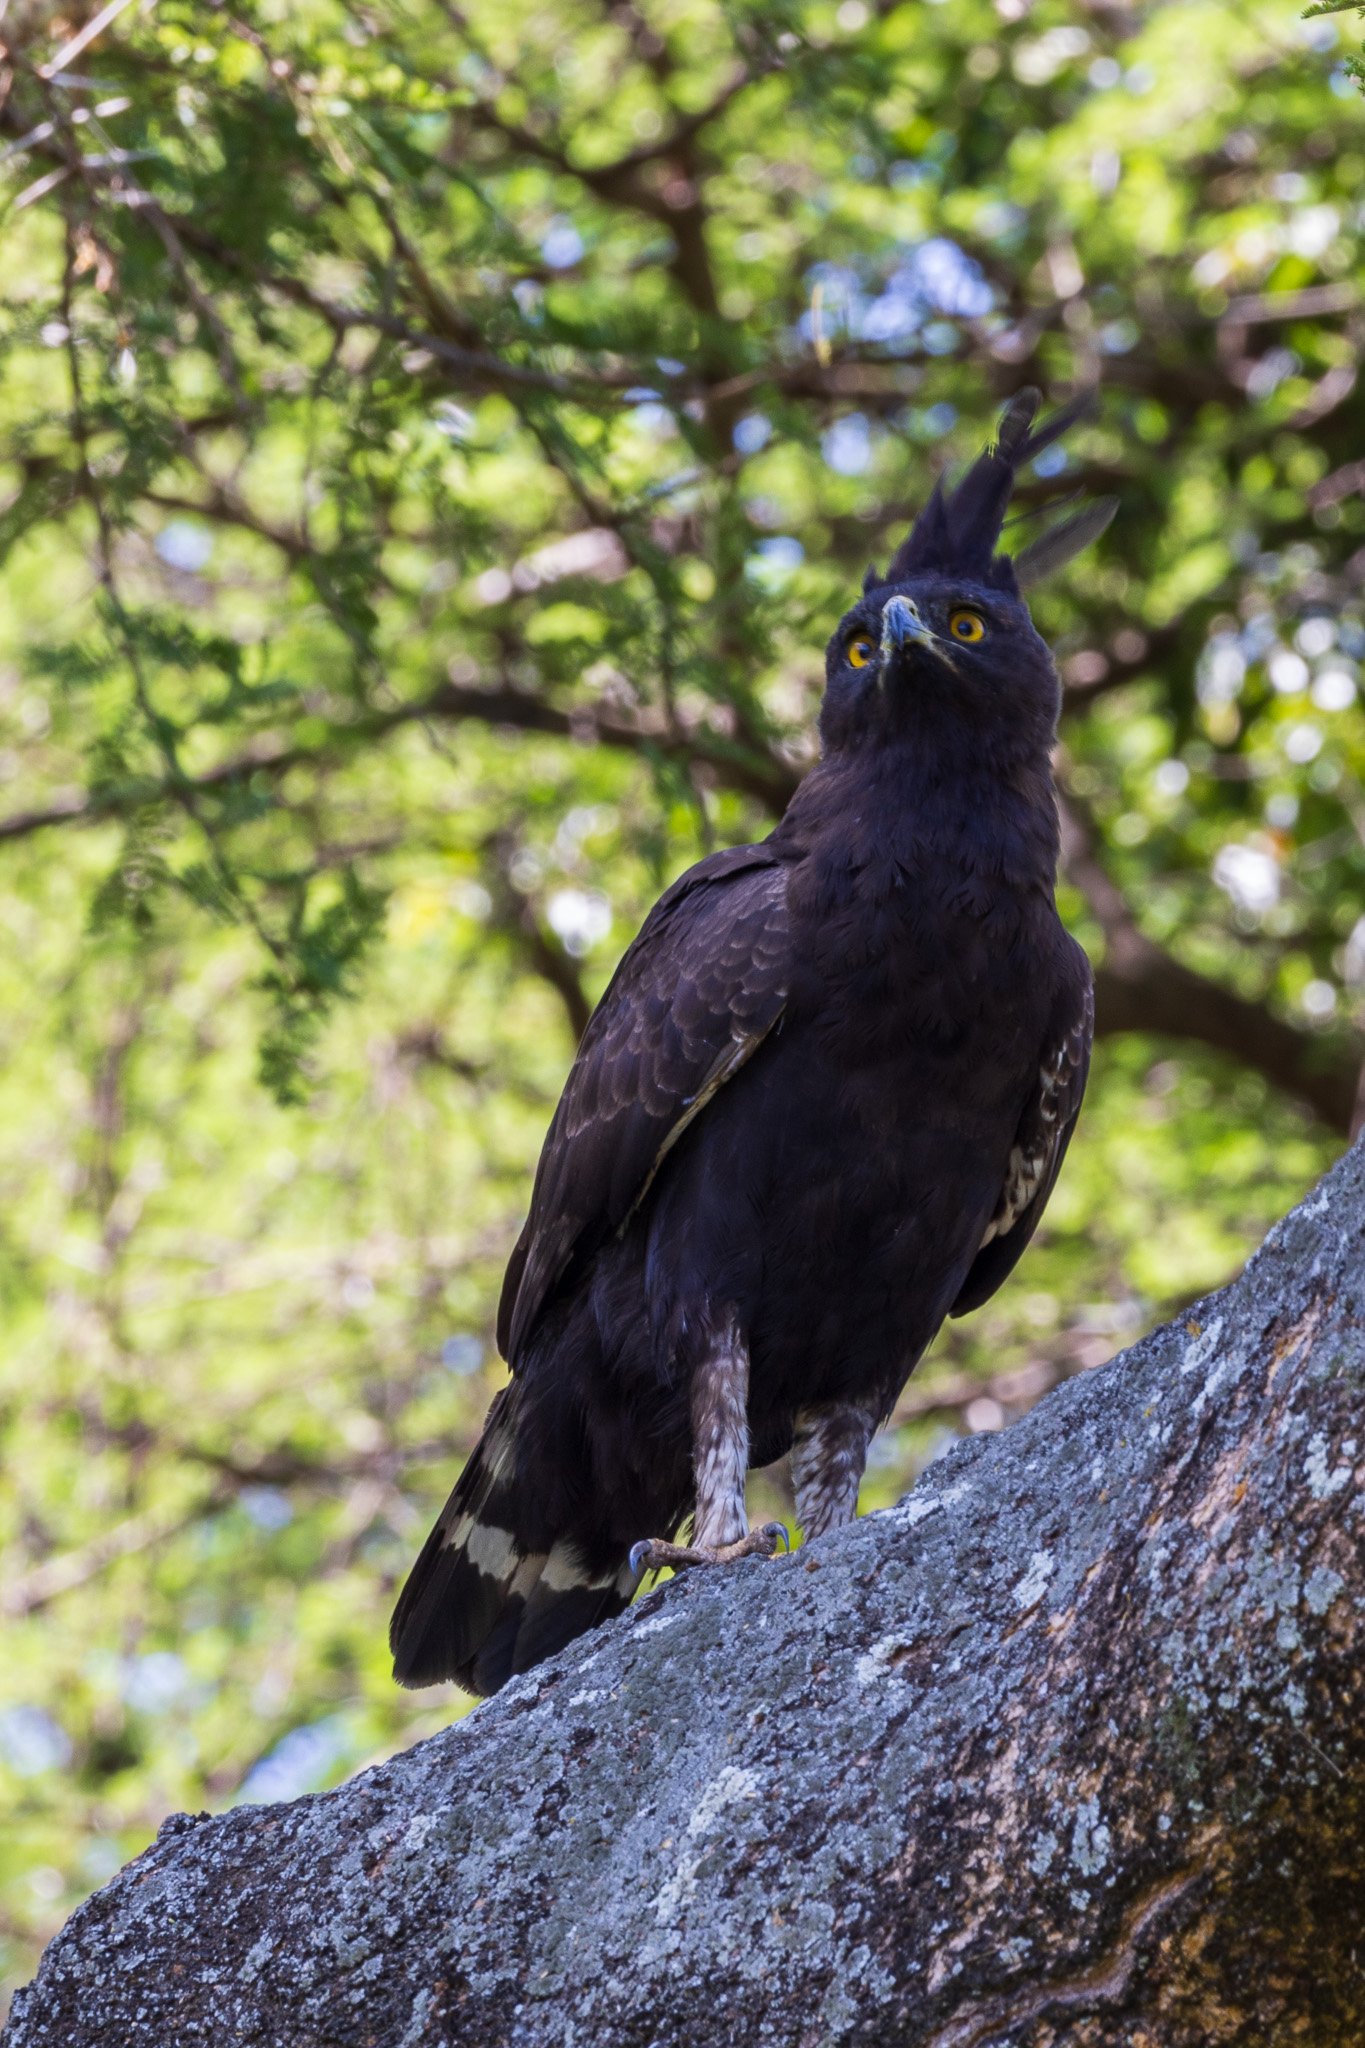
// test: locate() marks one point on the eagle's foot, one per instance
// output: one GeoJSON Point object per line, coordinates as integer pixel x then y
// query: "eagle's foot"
{"type": "Point", "coordinates": [653, 1554]}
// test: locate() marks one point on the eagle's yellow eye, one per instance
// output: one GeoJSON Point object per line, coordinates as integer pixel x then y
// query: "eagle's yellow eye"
{"type": "Point", "coordinates": [967, 626]}
{"type": "Point", "coordinates": [859, 650]}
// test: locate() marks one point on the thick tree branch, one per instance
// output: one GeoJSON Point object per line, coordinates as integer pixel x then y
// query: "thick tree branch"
{"type": "Point", "coordinates": [519, 914]}
{"type": "Point", "coordinates": [27, 1591]}
{"type": "Point", "coordinates": [1068, 1747]}
{"type": "Point", "coordinates": [766, 778]}
{"type": "Point", "coordinates": [472, 368]}
{"type": "Point", "coordinates": [475, 368]}
{"type": "Point", "coordinates": [223, 508]}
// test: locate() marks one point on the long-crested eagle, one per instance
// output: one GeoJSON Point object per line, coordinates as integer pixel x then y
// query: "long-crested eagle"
{"type": "Point", "coordinates": [820, 1107]}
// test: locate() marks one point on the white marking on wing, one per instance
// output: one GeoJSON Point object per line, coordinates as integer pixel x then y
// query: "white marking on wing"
{"type": "Point", "coordinates": [1027, 1170]}
{"type": "Point", "coordinates": [491, 1550]}
{"type": "Point", "coordinates": [565, 1571]}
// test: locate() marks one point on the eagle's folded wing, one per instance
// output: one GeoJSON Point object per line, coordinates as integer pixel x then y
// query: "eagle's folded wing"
{"type": "Point", "coordinates": [1039, 1146]}
{"type": "Point", "coordinates": [693, 998]}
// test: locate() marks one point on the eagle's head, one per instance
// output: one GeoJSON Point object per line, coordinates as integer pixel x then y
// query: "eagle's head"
{"type": "Point", "coordinates": [942, 646]}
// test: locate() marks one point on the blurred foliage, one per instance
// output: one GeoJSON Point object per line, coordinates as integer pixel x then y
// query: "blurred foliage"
{"type": "Point", "coordinates": [1354, 66]}
{"type": "Point", "coordinates": [435, 442]}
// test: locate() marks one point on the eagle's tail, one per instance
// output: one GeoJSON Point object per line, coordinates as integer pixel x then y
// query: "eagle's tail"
{"type": "Point", "coordinates": [494, 1591]}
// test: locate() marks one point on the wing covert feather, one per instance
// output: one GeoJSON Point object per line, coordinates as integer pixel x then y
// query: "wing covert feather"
{"type": "Point", "coordinates": [693, 997]}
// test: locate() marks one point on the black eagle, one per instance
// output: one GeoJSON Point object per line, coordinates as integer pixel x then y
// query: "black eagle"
{"type": "Point", "coordinates": [820, 1107]}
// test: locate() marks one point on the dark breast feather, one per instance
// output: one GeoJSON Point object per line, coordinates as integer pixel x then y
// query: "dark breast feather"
{"type": "Point", "coordinates": [692, 999]}
{"type": "Point", "coordinates": [1039, 1146]}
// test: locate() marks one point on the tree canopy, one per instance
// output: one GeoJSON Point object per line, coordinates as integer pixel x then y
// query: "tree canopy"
{"type": "Point", "coordinates": [435, 442]}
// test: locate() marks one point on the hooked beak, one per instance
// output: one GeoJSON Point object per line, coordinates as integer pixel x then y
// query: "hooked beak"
{"type": "Point", "coordinates": [902, 627]}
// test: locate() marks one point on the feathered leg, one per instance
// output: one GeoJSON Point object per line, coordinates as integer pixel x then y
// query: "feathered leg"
{"type": "Point", "coordinates": [720, 1463]}
{"type": "Point", "coordinates": [829, 1452]}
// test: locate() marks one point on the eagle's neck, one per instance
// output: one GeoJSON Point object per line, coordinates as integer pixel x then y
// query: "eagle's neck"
{"type": "Point", "coordinates": [928, 817]}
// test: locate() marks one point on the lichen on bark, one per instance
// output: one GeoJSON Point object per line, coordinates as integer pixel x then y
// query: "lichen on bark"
{"type": "Point", "coordinates": [1067, 1747]}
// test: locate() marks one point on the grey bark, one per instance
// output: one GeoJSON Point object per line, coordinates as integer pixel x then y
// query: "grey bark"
{"type": "Point", "coordinates": [1067, 1747]}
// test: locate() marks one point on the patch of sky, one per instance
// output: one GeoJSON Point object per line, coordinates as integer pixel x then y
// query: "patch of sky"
{"type": "Point", "coordinates": [841, 300]}
{"type": "Point", "coordinates": [452, 420]}
{"type": "Point", "coordinates": [299, 1763]}
{"type": "Point", "coordinates": [1315, 634]}
{"type": "Point", "coordinates": [1051, 462]}
{"type": "Point", "coordinates": [656, 420]}
{"type": "Point", "coordinates": [1334, 689]}
{"type": "Point", "coordinates": [1250, 876]}
{"type": "Point", "coordinates": [1000, 220]}
{"type": "Point", "coordinates": [889, 318]}
{"type": "Point", "coordinates": [938, 337]}
{"type": "Point", "coordinates": [752, 432]}
{"type": "Point", "coordinates": [1303, 742]}
{"type": "Point", "coordinates": [1037, 61]}
{"type": "Point", "coordinates": [1288, 671]}
{"type": "Point", "coordinates": [154, 1682]}
{"type": "Point", "coordinates": [1118, 336]}
{"type": "Point", "coordinates": [1106, 168]}
{"type": "Point", "coordinates": [935, 280]}
{"type": "Point", "coordinates": [929, 422]}
{"type": "Point", "coordinates": [267, 1507]}
{"type": "Point", "coordinates": [31, 1742]}
{"type": "Point", "coordinates": [1353, 963]}
{"type": "Point", "coordinates": [1259, 635]}
{"type": "Point", "coordinates": [1312, 232]}
{"type": "Point", "coordinates": [562, 245]}
{"type": "Point", "coordinates": [462, 1354]}
{"type": "Point", "coordinates": [944, 278]}
{"type": "Point", "coordinates": [1318, 33]}
{"type": "Point", "coordinates": [1266, 375]}
{"type": "Point", "coordinates": [847, 447]}
{"type": "Point", "coordinates": [1222, 669]}
{"type": "Point", "coordinates": [774, 560]}
{"type": "Point", "coordinates": [184, 545]}
{"type": "Point", "coordinates": [579, 918]}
